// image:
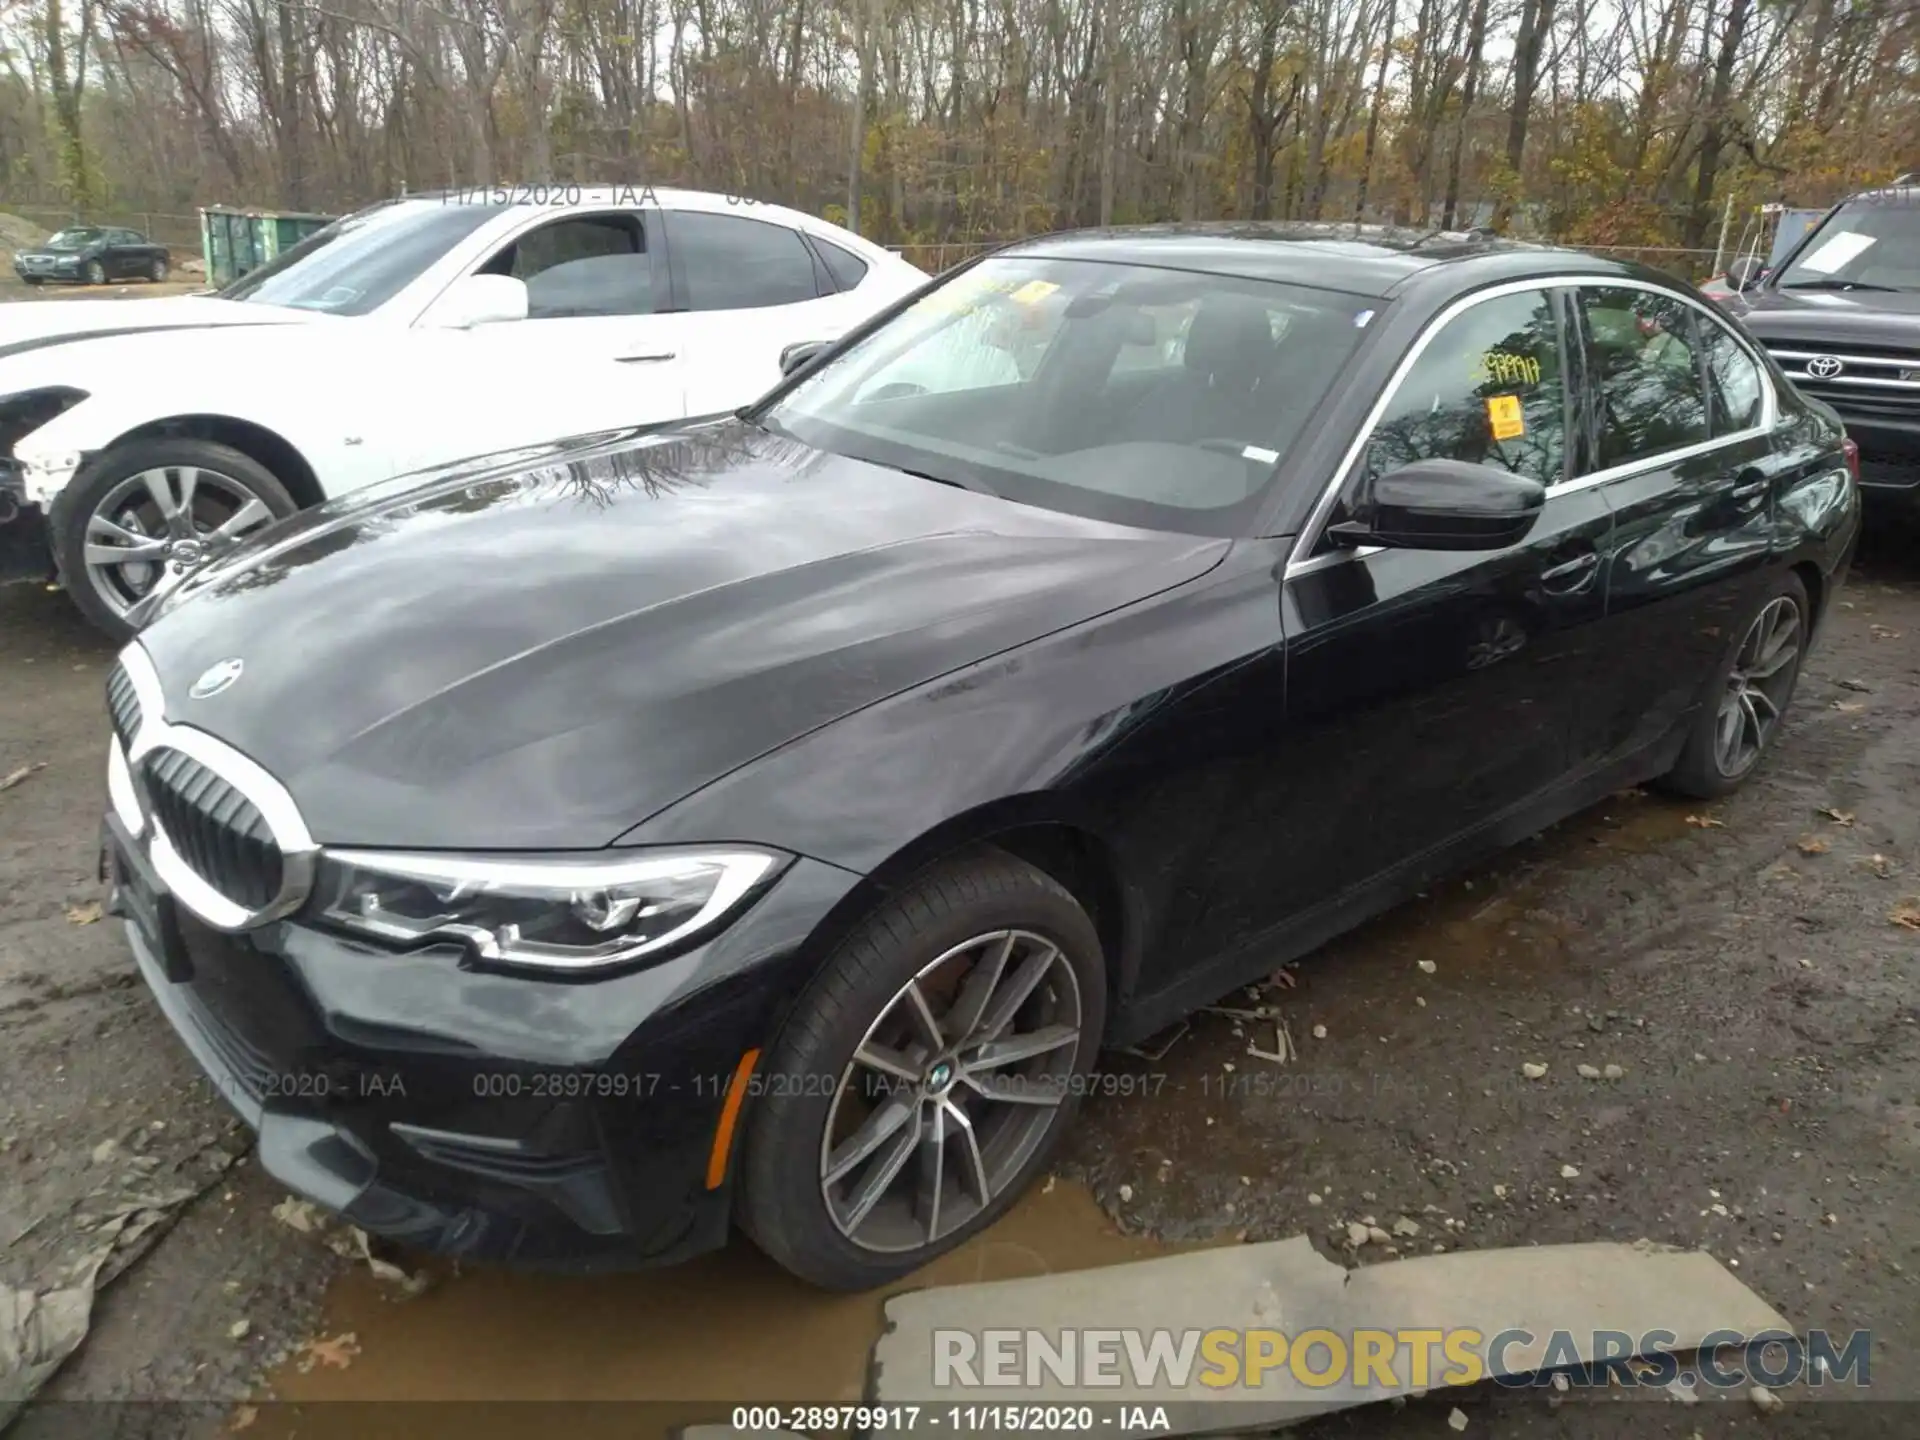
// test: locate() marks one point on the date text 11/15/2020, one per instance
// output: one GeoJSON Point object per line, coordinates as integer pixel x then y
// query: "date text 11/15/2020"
{"type": "Point", "coordinates": [560, 195]}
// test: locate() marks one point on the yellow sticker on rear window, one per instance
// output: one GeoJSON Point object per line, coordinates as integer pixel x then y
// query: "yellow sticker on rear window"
{"type": "Point", "coordinates": [1033, 292]}
{"type": "Point", "coordinates": [1503, 414]}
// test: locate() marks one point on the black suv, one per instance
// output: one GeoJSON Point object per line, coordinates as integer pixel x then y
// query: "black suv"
{"type": "Point", "coordinates": [1841, 313]}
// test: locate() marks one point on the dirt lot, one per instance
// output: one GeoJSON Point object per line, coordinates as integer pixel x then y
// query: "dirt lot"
{"type": "Point", "coordinates": [12, 289]}
{"type": "Point", "coordinates": [1737, 963]}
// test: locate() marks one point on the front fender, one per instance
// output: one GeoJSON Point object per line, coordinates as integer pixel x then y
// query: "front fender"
{"type": "Point", "coordinates": [50, 455]}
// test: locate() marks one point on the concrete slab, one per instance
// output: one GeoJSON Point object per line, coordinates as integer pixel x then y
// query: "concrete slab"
{"type": "Point", "coordinates": [1289, 1287]}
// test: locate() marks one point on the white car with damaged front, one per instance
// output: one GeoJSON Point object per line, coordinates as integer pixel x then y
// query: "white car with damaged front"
{"type": "Point", "coordinates": [410, 335]}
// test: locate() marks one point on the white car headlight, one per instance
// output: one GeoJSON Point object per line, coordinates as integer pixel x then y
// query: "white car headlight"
{"type": "Point", "coordinates": [566, 913]}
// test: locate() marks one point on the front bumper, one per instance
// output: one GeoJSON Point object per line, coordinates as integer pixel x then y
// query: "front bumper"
{"type": "Point", "coordinates": [558, 1125]}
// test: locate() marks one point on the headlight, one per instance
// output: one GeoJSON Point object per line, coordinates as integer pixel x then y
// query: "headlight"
{"type": "Point", "coordinates": [550, 913]}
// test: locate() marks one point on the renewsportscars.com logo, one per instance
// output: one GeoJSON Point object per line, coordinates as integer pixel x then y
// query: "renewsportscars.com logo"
{"type": "Point", "coordinates": [1213, 1361]}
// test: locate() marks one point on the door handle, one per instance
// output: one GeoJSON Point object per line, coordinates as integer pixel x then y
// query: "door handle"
{"type": "Point", "coordinates": [1750, 483]}
{"type": "Point", "coordinates": [645, 359]}
{"type": "Point", "coordinates": [1566, 569]}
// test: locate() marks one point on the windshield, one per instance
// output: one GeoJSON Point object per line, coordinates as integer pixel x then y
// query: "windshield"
{"type": "Point", "coordinates": [73, 239]}
{"type": "Point", "coordinates": [356, 265]}
{"type": "Point", "coordinates": [1147, 397]}
{"type": "Point", "coordinates": [1872, 243]}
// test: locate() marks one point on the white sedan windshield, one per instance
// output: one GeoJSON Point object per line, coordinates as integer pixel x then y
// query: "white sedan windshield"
{"type": "Point", "coordinates": [1147, 396]}
{"type": "Point", "coordinates": [356, 265]}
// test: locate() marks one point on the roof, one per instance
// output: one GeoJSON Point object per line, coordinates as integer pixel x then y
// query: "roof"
{"type": "Point", "coordinates": [1362, 259]}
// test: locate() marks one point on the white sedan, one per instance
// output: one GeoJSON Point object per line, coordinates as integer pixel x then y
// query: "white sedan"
{"type": "Point", "coordinates": [139, 438]}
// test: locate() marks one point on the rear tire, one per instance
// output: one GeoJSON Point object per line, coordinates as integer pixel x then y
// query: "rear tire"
{"type": "Point", "coordinates": [947, 1159]}
{"type": "Point", "coordinates": [117, 502]}
{"type": "Point", "coordinates": [1748, 700]}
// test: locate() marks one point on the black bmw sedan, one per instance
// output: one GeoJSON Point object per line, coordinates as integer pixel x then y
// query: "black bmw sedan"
{"type": "Point", "coordinates": [567, 857]}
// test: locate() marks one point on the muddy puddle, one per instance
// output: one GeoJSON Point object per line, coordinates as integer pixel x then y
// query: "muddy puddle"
{"type": "Point", "coordinates": [728, 1328]}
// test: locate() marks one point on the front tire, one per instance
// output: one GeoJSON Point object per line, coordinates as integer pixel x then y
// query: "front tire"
{"type": "Point", "coordinates": [926, 1074]}
{"type": "Point", "coordinates": [96, 273]}
{"type": "Point", "coordinates": [149, 510]}
{"type": "Point", "coordinates": [1749, 699]}
{"type": "Point", "coordinates": [157, 272]}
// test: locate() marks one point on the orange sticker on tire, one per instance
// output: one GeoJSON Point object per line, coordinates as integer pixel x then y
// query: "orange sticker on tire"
{"type": "Point", "coordinates": [1504, 415]}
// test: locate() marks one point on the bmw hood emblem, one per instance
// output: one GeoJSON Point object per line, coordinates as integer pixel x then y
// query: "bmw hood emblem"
{"type": "Point", "coordinates": [216, 677]}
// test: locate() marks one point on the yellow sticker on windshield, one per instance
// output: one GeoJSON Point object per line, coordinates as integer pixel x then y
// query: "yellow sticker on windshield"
{"type": "Point", "coordinates": [1504, 415]}
{"type": "Point", "coordinates": [1033, 292]}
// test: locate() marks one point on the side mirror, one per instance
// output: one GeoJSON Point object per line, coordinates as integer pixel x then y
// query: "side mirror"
{"type": "Point", "coordinates": [795, 356]}
{"type": "Point", "coordinates": [1744, 272]}
{"type": "Point", "coordinates": [480, 300]}
{"type": "Point", "coordinates": [1446, 505]}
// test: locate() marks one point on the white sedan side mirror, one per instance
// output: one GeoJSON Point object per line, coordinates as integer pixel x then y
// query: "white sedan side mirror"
{"type": "Point", "coordinates": [480, 300]}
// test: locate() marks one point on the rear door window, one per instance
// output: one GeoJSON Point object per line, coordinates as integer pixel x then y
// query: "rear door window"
{"type": "Point", "coordinates": [1647, 373]}
{"type": "Point", "coordinates": [728, 262]}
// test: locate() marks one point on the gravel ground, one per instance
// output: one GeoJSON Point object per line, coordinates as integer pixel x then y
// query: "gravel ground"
{"type": "Point", "coordinates": [1737, 964]}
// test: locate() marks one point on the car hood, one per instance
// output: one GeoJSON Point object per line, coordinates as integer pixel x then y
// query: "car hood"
{"type": "Point", "coordinates": [544, 652]}
{"type": "Point", "coordinates": [1867, 317]}
{"type": "Point", "coordinates": [36, 324]}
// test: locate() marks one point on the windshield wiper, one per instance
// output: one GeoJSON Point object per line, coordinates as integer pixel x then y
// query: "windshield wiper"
{"type": "Point", "coordinates": [1836, 284]}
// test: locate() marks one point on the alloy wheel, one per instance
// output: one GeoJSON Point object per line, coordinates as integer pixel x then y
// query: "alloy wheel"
{"type": "Point", "coordinates": [162, 524]}
{"type": "Point", "coordinates": [951, 1090]}
{"type": "Point", "coordinates": [1758, 687]}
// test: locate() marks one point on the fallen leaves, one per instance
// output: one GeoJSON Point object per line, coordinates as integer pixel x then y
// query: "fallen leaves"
{"type": "Point", "coordinates": [1906, 914]}
{"type": "Point", "coordinates": [1879, 864]}
{"type": "Point", "coordinates": [1706, 822]}
{"type": "Point", "coordinates": [83, 914]}
{"type": "Point", "coordinates": [1858, 686]}
{"type": "Point", "coordinates": [337, 1352]}
{"type": "Point", "coordinates": [1839, 817]}
{"type": "Point", "coordinates": [1813, 845]}
{"type": "Point", "coordinates": [1884, 632]}
{"type": "Point", "coordinates": [14, 777]}
{"type": "Point", "coordinates": [1849, 707]}
{"type": "Point", "coordinates": [244, 1417]}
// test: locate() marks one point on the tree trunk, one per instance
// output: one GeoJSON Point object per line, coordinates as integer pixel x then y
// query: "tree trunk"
{"type": "Point", "coordinates": [1713, 137]}
{"type": "Point", "coordinates": [1374, 108]}
{"type": "Point", "coordinates": [1469, 88]}
{"type": "Point", "coordinates": [863, 43]}
{"type": "Point", "coordinates": [1536, 20]}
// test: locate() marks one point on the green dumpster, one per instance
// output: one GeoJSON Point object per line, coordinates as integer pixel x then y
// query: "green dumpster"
{"type": "Point", "coordinates": [232, 242]}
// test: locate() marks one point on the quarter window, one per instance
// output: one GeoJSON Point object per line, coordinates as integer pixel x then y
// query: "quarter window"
{"type": "Point", "coordinates": [1645, 366]}
{"type": "Point", "coordinates": [846, 268]}
{"type": "Point", "coordinates": [1487, 389]}
{"type": "Point", "coordinates": [730, 263]}
{"type": "Point", "coordinates": [590, 265]}
{"type": "Point", "coordinates": [1735, 378]}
